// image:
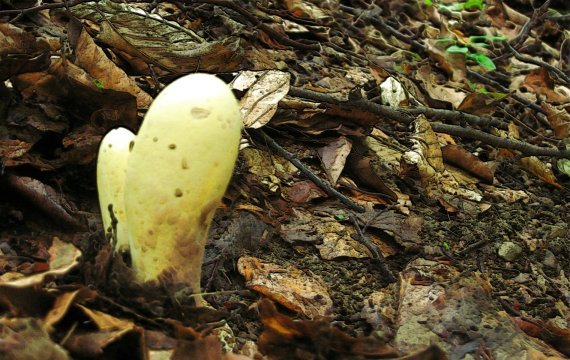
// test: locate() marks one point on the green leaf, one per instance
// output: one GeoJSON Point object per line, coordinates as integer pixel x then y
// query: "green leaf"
{"type": "Point", "coordinates": [99, 84]}
{"type": "Point", "coordinates": [474, 5]}
{"type": "Point", "coordinates": [497, 95]}
{"type": "Point", "coordinates": [341, 217]}
{"type": "Point", "coordinates": [481, 44]}
{"type": "Point", "coordinates": [482, 60]}
{"type": "Point", "coordinates": [428, 2]}
{"type": "Point", "coordinates": [453, 7]}
{"type": "Point", "coordinates": [445, 40]}
{"type": "Point", "coordinates": [454, 49]}
{"type": "Point", "coordinates": [499, 38]}
{"type": "Point", "coordinates": [564, 166]}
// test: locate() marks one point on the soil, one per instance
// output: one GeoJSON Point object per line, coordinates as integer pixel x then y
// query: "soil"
{"type": "Point", "coordinates": [519, 249]}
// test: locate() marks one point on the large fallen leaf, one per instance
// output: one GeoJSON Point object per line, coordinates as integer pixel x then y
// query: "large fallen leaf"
{"type": "Point", "coordinates": [93, 59]}
{"type": "Point", "coordinates": [20, 52]}
{"type": "Point", "coordinates": [158, 41]}
{"type": "Point", "coordinates": [63, 257]}
{"type": "Point", "coordinates": [288, 286]}
{"type": "Point", "coordinates": [438, 305]}
{"type": "Point", "coordinates": [539, 169]}
{"type": "Point", "coordinates": [265, 90]}
{"type": "Point", "coordinates": [284, 338]}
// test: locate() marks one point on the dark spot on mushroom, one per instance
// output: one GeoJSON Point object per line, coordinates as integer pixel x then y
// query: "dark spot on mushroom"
{"type": "Point", "coordinates": [150, 232]}
{"type": "Point", "coordinates": [178, 193]}
{"type": "Point", "coordinates": [172, 146]}
{"type": "Point", "coordinates": [199, 113]}
{"type": "Point", "coordinates": [110, 146]}
{"type": "Point", "coordinates": [131, 145]}
{"type": "Point", "coordinates": [155, 139]}
{"type": "Point", "coordinates": [184, 164]}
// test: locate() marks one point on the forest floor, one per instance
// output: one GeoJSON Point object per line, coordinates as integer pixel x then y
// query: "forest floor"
{"type": "Point", "coordinates": [402, 189]}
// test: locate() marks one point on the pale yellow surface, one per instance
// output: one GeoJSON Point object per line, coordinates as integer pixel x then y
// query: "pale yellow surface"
{"type": "Point", "coordinates": [111, 173]}
{"type": "Point", "coordinates": [177, 173]}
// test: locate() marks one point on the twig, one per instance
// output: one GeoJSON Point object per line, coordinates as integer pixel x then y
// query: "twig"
{"type": "Point", "coordinates": [308, 173]}
{"type": "Point", "coordinates": [407, 115]}
{"type": "Point", "coordinates": [540, 63]}
{"type": "Point", "coordinates": [256, 22]}
{"type": "Point", "coordinates": [471, 247]}
{"type": "Point", "coordinates": [506, 143]}
{"type": "Point", "coordinates": [485, 80]}
{"type": "Point", "coordinates": [376, 253]}
{"type": "Point", "coordinates": [538, 14]}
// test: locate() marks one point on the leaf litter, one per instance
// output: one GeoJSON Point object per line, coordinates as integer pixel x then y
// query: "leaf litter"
{"type": "Point", "coordinates": [412, 203]}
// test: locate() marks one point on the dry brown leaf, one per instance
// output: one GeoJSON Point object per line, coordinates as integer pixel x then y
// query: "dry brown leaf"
{"type": "Point", "coordinates": [333, 157]}
{"type": "Point", "coordinates": [62, 305]}
{"type": "Point", "coordinates": [63, 257]}
{"type": "Point", "coordinates": [264, 91]}
{"type": "Point", "coordinates": [302, 192]}
{"type": "Point", "coordinates": [559, 118]}
{"type": "Point", "coordinates": [20, 52]}
{"type": "Point", "coordinates": [463, 159]}
{"type": "Point", "coordinates": [288, 286]}
{"type": "Point", "coordinates": [159, 41]}
{"type": "Point", "coordinates": [94, 61]}
{"type": "Point", "coordinates": [540, 82]}
{"type": "Point", "coordinates": [284, 338]}
{"type": "Point", "coordinates": [533, 165]}
{"type": "Point", "coordinates": [478, 104]}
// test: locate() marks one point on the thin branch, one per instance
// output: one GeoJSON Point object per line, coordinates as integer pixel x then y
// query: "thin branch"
{"type": "Point", "coordinates": [538, 15]}
{"type": "Point", "coordinates": [373, 248]}
{"type": "Point", "coordinates": [407, 115]}
{"type": "Point", "coordinates": [323, 184]}
{"type": "Point", "coordinates": [540, 63]}
{"type": "Point", "coordinates": [249, 15]}
{"type": "Point", "coordinates": [506, 143]}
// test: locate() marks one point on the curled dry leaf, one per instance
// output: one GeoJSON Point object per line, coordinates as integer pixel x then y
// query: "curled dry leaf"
{"type": "Point", "coordinates": [456, 155]}
{"type": "Point", "coordinates": [559, 118]}
{"type": "Point", "coordinates": [20, 52]}
{"type": "Point", "coordinates": [533, 165]}
{"type": "Point", "coordinates": [553, 335]}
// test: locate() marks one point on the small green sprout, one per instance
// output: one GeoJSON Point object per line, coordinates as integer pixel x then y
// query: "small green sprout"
{"type": "Point", "coordinates": [467, 48]}
{"type": "Point", "coordinates": [99, 84]}
{"type": "Point", "coordinates": [467, 5]}
{"type": "Point", "coordinates": [341, 217]}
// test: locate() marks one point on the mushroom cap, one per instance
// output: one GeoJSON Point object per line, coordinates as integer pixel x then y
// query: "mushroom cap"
{"type": "Point", "coordinates": [177, 173]}
{"type": "Point", "coordinates": [111, 172]}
